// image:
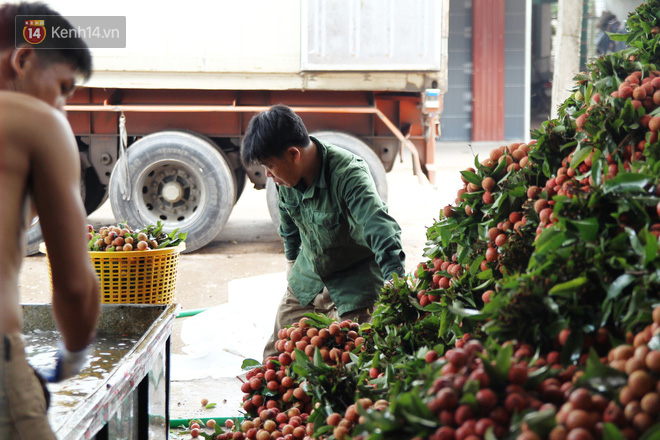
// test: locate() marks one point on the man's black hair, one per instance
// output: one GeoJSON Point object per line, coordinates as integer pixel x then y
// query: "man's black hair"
{"type": "Point", "coordinates": [270, 133]}
{"type": "Point", "coordinates": [74, 51]}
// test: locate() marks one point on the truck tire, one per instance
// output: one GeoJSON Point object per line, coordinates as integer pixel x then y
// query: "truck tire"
{"type": "Point", "coordinates": [178, 178]}
{"type": "Point", "coordinates": [347, 142]}
{"type": "Point", "coordinates": [93, 193]}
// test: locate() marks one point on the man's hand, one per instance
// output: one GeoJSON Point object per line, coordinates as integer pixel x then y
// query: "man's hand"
{"type": "Point", "coordinates": [67, 364]}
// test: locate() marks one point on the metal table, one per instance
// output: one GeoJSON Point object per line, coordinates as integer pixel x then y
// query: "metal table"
{"type": "Point", "coordinates": [121, 394]}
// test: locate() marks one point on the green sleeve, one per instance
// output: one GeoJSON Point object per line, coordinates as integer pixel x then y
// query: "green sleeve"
{"type": "Point", "coordinates": [288, 231]}
{"type": "Point", "coordinates": [381, 231]}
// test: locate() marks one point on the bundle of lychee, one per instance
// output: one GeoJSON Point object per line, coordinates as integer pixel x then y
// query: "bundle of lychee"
{"type": "Point", "coordinates": [592, 180]}
{"type": "Point", "coordinates": [635, 404]}
{"type": "Point", "coordinates": [342, 426]}
{"type": "Point", "coordinates": [474, 393]}
{"type": "Point", "coordinates": [271, 388]}
{"type": "Point", "coordinates": [122, 238]}
{"type": "Point", "coordinates": [335, 340]}
{"type": "Point", "coordinates": [274, 389]}
{"type": "Point", "coordinates": [287, 425]}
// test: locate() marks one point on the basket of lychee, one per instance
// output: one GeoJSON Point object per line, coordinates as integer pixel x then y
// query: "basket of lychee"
{"type": "Point", "coordinates": [135, 266]}
{"type": "Point", "coordinates": [122, 238]}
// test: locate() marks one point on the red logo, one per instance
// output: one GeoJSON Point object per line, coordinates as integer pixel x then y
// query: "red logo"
{"type": "Point", "coordinates": [34, 31]}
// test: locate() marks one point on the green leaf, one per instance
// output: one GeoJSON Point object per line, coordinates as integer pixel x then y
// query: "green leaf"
{"type": "Point", "coordinates": [164, 244]}
{"type": "Point", "coordinates": [444, 323]}
{"type": "Point", "coordinates": [248, 364]}
{"type": "Point", "coordinates": [653, 433]}
{"type": "Point", "coordinates": [485, 275]}
{"type": "Point", "coordinates": [611, 432]}
{"type": "Point", "coordinates": [617, 37]}
{"type": "Point", "coordinates": [572, 350]}
{"type": "Point", "coordinates": [318, 357]}
{"type": "Point", "coordinates": [472, 177]}
{"type": "Point", "coordinates": [600, 377]}
{"type": "Point", "coordinates": [550, 238]}
{"type": "Point", "coordinates": [650, 246]}
{"type": "Point", "coordinates": [587, 228]}
{"type": "Point", "coordinates": [159, 228]}
{"type": "Point", "coordinates": [319, 320]}
{"type": "Point", "coordinates": [499, 169]}
{"type": "Point", "coordinates": [490, 434]}
{"type": "Point", "coordinates": [565, 289]}
{"type": "Point", "coordinates": [497, 204]}
{"type": "Point", "coordinates": [210, 405]}
{"type": "Point", "coordinates": [411, 417]}
{"type": "Point", "coordinates": [537, 376]}
{"type": "Point", "coordinates": [546, 169]}
{"type": "Point", "coordinates": [634, 242]}
{"type": "Point", "coordinates": [445, 236]}
{"type": "Point", "coordinates": [474, 267]}
{"type": "Point", "coordinates": [597, 169]}
{"type": "Point", "coordinates": [503, 361]}
{"type": "Point", "coordinates": [618, 285]}
{"type": "Point", "coordinates": [469, 399]}
{"type": "Point", "coordinates": [580, 155]}
{"type": "Point", "coordinates": [541, 422]}
{"type": "Point", "coordinates": [517, 192]}
{"type": "Point", "coordinates": [458, 310]}
{"type": "Point", "coordinates": [269, 393]}
{"type": "Point", "coordinates": [627, 182]}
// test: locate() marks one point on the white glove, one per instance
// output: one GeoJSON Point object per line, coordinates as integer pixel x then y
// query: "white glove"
{"type": "Point", "coordinates": [289, 265]}
{"type": "Point", "coordinates": [67, 364]}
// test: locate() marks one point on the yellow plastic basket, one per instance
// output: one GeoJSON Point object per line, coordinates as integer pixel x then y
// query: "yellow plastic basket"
{"type": "Point", "coordinates": [135, 277]}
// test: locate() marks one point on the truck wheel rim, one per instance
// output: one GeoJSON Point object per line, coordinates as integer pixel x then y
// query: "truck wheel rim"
{"type": "Point", "coordinates": [170, 191]}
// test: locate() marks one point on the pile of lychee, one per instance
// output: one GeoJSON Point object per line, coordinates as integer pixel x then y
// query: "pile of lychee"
{"type": "Point", "coordinates": [116, 239]}
{"type": "Point", "coordinates": [276, 404]}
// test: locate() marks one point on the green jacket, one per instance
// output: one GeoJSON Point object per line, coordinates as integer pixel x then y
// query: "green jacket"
{"type": "Point", "coordinates": [339, 233]}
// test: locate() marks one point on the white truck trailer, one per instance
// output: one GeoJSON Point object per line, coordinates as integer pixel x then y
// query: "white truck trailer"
{"type": "Point", "coordinates": [160, 123]}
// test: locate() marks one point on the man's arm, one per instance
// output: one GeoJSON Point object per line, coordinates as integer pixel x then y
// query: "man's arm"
{"type": "Point", "coordinates": [381, 231]}
{"type": "Point", "coordinates": [55, 187]}
{"type": "Point", "coordinates": [289, 232]}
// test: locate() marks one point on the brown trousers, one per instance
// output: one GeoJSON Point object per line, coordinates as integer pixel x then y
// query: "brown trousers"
{"type": "Point", "coordinates": [290, 311]}
{"type": "Point", "coordinates": [22, 400]}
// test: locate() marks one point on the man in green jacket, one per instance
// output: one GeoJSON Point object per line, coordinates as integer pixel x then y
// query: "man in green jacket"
{"type": "Point", "coordinates": [339, 240]}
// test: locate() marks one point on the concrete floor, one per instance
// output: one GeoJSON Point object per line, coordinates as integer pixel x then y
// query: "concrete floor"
{"type": "Point", "coordinates": [248, 247]}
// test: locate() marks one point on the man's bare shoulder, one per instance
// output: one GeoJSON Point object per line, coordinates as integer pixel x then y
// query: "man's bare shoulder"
{"type": "Point", "coordinates": [25, 120]}
{"type": "Point", "coordinates": [27, 110]}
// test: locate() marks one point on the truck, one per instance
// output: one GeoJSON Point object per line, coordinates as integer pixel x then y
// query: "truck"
{"type": "Point", "coordinates": [159, 124]}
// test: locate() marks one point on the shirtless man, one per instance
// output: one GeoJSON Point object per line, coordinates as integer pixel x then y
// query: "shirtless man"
{"type": "Point", "coordinates": [39, 175]}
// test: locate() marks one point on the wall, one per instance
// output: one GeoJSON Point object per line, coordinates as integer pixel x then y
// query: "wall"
{"type": "Point", "coordinates": [514, 73]}
{"type": "Point", "coordinates": [456, 119]}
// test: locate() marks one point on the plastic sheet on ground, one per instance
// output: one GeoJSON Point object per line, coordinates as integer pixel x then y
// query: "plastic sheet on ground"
{"type": "Point", "coordinates": [217, 340]}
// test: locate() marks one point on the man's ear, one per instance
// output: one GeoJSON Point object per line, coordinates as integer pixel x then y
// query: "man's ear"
{"type": "Point", "coordinates": [21, 58]}
{"type": "Point", "coordinates": [293, 153]}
